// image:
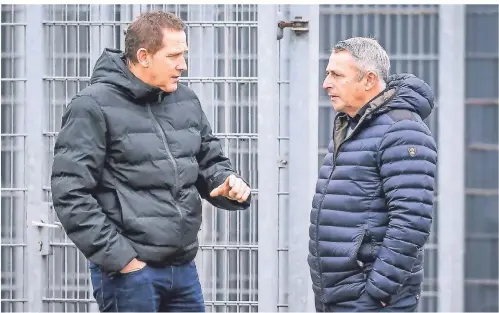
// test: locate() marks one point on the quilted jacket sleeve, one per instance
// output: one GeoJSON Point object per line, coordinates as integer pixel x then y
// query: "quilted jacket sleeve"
{"type": "Point", "coordinates": [79, 155]}
{"type": "Point", "coordinates": [407, 159]}
{"type": "Point", "coordinates": [214, 168]}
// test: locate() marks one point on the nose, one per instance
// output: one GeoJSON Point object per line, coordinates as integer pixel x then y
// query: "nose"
{"type": "Point", "coordinates": [327, 83]}
{"type": "Point", "coordinates": [182, 66]}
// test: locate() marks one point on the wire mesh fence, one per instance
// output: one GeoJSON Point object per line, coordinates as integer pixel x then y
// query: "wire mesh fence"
{"type": "Point", "coordinates": [13, 146]}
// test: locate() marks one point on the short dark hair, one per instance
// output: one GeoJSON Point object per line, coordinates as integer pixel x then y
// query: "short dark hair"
{"type": "Point", "coordinates": [146, 31]}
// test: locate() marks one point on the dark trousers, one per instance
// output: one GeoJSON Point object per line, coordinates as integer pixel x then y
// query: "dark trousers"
{"type": "Point", "coordinates": [151, 289]}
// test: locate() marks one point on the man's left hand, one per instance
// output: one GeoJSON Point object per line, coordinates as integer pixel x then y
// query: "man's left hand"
{"type": "Point", "coordinates": [233, 188]}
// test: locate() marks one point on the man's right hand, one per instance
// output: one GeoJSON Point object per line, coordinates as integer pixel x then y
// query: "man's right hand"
{"type": "Point", "coordinates": [134, 265]}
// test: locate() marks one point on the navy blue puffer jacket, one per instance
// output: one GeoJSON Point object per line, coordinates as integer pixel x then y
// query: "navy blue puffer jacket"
{"type": "Point", "coordinates": [372, 210]}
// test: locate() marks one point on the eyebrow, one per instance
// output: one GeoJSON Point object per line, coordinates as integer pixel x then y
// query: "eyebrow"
{"type": "Point", "coordinates": [177, 52]}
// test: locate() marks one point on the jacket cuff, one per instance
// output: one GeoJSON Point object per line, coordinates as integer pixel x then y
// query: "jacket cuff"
{"type": "Point", "coordinates": [219, 178]}
{"type": "Point", "coordinates": [115, 263]}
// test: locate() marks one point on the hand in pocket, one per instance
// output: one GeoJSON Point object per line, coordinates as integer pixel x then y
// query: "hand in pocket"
{"type": "Point", "coordinates": [134, 265]}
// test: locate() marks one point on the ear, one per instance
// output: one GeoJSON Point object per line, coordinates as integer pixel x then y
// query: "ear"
{"type": "Point", "coordinates": [143, 57]}
{"type": "Point", "coordinates": [371, 80]}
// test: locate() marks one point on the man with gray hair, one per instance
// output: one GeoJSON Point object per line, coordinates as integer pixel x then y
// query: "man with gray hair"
{"type": "Point", "coordinates": [372, 209]}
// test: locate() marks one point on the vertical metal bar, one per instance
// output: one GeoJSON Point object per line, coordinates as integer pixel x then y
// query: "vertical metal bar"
{"type": "Point", "coordinates": [303, 150]}
{"type": "Point", "coordinates": [136, 10]}
{"type": "Point", "coordinates": [283, 176]}
{"type": "Point", "coordinates": [227, 70]}
{"type": "Point", "coordinates": [125, 10]}
{"type": "Point", "coordinates": [19, 111]}
{"type": "Point", "coordinates": [2, 174]}
{"type": "Point", "coordinates": [36, 211]}
{"type": "Point", "coordinates": [451, 164]}
{"type": "Point", "coordinates": [101, 36]}
{"type": "Point", "coordinates": [107, 31]}
{"type": "Point", "coordinates": [268, 106]}
{"type": "Point", "coordinates": [201, 63]}
{"type": "Point", "coordinates": [70, 50]}
{"type": "Point", "coordinates": [53, 32]}
{"type": "Point", "coordinates": [427, 45]}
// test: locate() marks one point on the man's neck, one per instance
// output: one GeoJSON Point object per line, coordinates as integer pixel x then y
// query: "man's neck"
{"type": "Point", "coordinates": [367, 98]}
{"type": "Point", "coordinates": [138, 72]}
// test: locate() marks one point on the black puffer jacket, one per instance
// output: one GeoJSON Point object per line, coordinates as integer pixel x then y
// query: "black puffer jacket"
{"type": "Point", "coordinates": [130, 165]}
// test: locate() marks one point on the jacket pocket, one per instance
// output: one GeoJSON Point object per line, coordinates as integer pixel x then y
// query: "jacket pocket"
{"type": "Point", "coordinates": [358, 243]}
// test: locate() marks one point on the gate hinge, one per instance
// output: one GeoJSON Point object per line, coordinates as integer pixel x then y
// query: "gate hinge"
{"type": "Point", "coordinates": [298, 25]}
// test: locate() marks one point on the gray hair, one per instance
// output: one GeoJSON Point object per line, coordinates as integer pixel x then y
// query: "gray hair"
{"type": "Point", "coordinates": [369, 55]}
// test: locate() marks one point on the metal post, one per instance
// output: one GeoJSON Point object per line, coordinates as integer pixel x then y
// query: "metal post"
{"type": "Point", "coordinates": [451, 163]}
{"type": "Point", "coordinates": [201, 63]}
{"type": "Point", "coordinates": [19, 112]}
{"type": "Point", "coordinates": [128, 13]}
{"type": "Point", "coordinates": [201, 58]}
{"type": "Point", "coordinates": [1, 183]}
{"type": "Point", "coordinates": [136, 10]}
{"type": "Point", "coordinates": [268, 114]}
{"type": "Point", "coordinates": [303, 150]}
{"type": "Point", "coordinates": [36, 209]}
{"type": "Point", "coordinates": [101, 36]}
{"type": "Point", "coordinates": [124, 17]}
{"type": "Point", "coordinates": [283, 174]}
{"type": "Point", "coordinates": [16, 148]}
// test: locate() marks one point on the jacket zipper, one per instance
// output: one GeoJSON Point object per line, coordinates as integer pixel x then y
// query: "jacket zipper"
{"type": "Point", "coordinates": [168, 152]}
{"type": "Point", "coordinates": [335, 155]}
{"type": "Point", "coordinates": [319, 207]}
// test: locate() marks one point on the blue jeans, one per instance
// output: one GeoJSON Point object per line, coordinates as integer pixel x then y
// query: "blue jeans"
{"type": "Point", "coordinates": [151, 289]}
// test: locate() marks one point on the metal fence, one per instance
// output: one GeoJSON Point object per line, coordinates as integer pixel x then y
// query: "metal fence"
{"type": "Point", "coordinates": [260, 87]}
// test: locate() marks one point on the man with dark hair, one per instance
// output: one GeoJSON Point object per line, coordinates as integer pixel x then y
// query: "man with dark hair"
{"type": "Point", "coordinates": [373, 207]}
{"type": "Point", "coordinates": [134, 156]}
